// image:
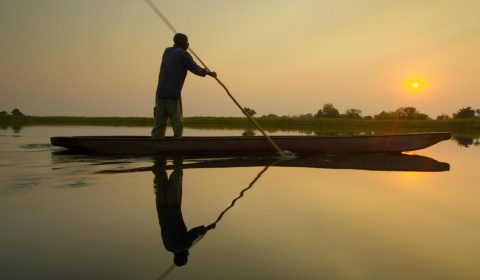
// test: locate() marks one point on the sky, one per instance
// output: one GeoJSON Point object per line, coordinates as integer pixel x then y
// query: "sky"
{"type": "Point", "coordinates": [101, 58]}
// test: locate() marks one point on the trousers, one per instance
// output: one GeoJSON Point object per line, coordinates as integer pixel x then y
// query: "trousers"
{"type": "Point", "coordinates": [167, 109]}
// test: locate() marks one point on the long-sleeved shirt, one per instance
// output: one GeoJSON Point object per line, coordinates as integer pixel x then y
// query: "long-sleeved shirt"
{"type": "Point", "coordinates": [173, 71]}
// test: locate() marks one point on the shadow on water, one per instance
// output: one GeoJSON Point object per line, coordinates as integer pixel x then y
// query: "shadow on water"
{"type": "Point", "coordinates": [466, 140]}
{"type": "Point", "coordinates": [16, 128]}
{"type": "Point", "coordinates": [176, 237]}
{"type": "Point", "coordinates": [373, 162]}
{"type": "Point", "coordinates": [168, 193]}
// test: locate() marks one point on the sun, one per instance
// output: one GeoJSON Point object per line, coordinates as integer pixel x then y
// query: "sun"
{"type": "Point", "coordinates": [415, 85]}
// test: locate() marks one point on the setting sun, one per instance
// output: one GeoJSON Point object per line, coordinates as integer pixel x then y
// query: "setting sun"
{"type": "Point", "coordinates": [415, 85]}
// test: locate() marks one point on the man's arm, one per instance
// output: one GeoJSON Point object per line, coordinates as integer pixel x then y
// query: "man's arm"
{"type": "Point", "coordinates": [194, 68]}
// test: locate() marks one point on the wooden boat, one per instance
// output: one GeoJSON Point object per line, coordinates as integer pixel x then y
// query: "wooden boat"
{"type": "Point", "coordinates": [373, 162]}
{"type": "Point", "coordinates": [226, 146]}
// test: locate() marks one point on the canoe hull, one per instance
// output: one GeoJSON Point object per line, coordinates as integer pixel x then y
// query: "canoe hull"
{"type": "Point", "coordinates": [247, 145]}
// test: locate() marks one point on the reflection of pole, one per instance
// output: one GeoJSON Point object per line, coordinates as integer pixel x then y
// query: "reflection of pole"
{"type": "Point", "coordinates": [213, 225]}
{"type": "Point", "coordinates": [241, 195]}
{"type": "Point", "coordinates": [166, 273]}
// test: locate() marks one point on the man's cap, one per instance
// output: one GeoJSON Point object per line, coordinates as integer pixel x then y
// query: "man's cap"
{"type": "Point", "coordinates": [180, 38]}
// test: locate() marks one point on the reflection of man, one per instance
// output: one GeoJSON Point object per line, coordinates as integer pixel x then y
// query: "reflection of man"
{"type": "Point", "coordinates": [168, 191]}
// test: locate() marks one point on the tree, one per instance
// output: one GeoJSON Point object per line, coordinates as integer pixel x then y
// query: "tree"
{"type": "Point", "coordinates": [249, 111]}
{"type": "Point", "coordinates": [443, 117]}
{"type": "Point", "coordinates": [353, 113]}
{"type": "Point", "coordinates": [407, 112]}
{"type": "Point", "coordinates": [305, 116]}
{"type": "Point", "coordinates": [385, 116]}
{"type": "Point", "coordinates": [16, 112]}
{"type": "Point", "coordinates": [478, 112]}
{"type": "Point", "coordinates": [410, 113]}
{"type": "Point", "coordinates": [423, 117]}
{"type": "Point", "coordinates": [273, 116]}
{"type": "Point", "coordinates": [464, 113]}
{"type": "Point", "coordinates": [402, 113]}
{"type": "Point", "coordinates": [328, 111]}
{"type": "Point", "coordinates": [3, 113]}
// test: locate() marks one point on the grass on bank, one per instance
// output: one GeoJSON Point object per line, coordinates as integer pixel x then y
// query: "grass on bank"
{"type": "Point", "coordinates": [466, 132]}
{"type": "Point", "coordinates": [308, 125]}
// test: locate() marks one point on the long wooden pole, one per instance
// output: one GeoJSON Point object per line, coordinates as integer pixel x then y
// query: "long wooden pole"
{"type": "Point", "coordinates": [270, 140]}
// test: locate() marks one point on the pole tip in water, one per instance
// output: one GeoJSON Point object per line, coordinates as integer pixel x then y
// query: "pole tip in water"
{"type": "Point", "coordinates": [287, 155]}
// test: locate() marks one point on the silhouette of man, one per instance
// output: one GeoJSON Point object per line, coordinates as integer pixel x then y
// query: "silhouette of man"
{"type": "Point", "coordinates": [168, 192]}
{"type": "Point", "coordinates": [176, 61]}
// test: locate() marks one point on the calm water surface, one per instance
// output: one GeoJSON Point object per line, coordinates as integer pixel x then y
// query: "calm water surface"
{"type": "Point", "coordinates": [79, 217]}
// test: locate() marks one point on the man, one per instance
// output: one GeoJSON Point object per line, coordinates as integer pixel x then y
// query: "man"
{"type": "Point", "coordinates": [173, 71]}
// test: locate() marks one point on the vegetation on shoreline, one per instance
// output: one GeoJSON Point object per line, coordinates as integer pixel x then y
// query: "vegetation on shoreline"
{"type": "Point", "coordinates": [272, 122]}
{"type": "Point", "coordinates": [327, 121]}
{"type": "Point", "coordinates": [466, 132]}
{"type": "Point", "coordinates": [65, 120]}
{"type": "Point", "coordinates": [327, 117]}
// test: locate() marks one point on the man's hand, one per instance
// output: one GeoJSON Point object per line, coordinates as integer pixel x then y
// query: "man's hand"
{"type": "Point", "coordinates": [210, 73]}
{"type": "Point", "coordinates": [211, 226]}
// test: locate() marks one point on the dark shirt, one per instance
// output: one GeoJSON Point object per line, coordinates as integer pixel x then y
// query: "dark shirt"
{"type": "Point", "coordinates": [173, 71]}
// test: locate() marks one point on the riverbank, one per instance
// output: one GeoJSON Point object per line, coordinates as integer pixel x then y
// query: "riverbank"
{"type": "Point", "coordinates": [466, 132]}
{"type": "Point", "coordinates": [276, 123]}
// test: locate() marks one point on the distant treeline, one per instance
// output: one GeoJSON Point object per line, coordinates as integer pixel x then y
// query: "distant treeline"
{"type": "Point", "coordinates": [403, 113]}
{"type": "Point", "coordinates": [327, 112]}
{"type": "Point", "coordinates": [326, 118]}
{"type": "Point", "coordinates": [65, 120]}
{"type": "Point", "coordinates": [274, 122]}
{"type": "Point", "coordinates": [466, 131]}
{"type": "Point", "coordinates": [14, 112]}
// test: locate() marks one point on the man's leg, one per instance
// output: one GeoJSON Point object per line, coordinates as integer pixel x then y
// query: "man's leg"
{"type": "Point", "coordinates": [176, 116]}
{"type": "Point", "coordinates": [160, 118]}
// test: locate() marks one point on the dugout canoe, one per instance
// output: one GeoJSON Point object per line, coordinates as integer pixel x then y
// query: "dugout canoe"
{"type": "Point", "coordinates": [226, 146]}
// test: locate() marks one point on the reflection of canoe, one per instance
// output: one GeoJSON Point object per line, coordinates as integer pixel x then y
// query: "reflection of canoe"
{"type": "Point", "coordinates": [247, 145]}
{"type": "Point", "coordinates": [379, 162]}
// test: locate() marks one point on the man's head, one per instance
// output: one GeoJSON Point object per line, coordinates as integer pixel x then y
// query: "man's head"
{"type": "Point", "coordinates": [181, 40]}
{"type": "Point", "coordinates": [181, 258]}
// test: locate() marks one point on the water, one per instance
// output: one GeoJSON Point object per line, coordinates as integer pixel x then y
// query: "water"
{"type": "Point", "coordinates": [80, 217]}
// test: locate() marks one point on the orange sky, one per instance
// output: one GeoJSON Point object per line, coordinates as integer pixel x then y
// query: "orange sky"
{"type": "Point", "coordinates": [101, 58]}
